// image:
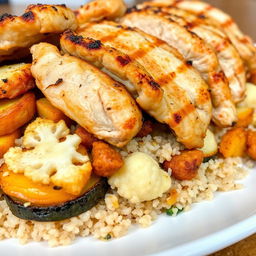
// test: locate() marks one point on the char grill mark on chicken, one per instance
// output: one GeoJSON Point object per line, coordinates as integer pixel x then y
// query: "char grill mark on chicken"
{"type": "Point", "coordinates": [243, 43]}
{"type": "Point", "coordinates": [193, 49]}
{"type": "Point", "coordinates": [186, 105]}
{"type": "Point", "coordinates": [229, 59]}
{"type": "Point", "coordinates": [84, 93]}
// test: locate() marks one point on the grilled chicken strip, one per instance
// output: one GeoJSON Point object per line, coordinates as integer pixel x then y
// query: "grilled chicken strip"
{"type": "Point", "coordinates": [95, 101]}
{"type": "Point", "coordinates": [229, 58]}
{"type": "Point", "coordinates": [17, 34]}
{"type": "Point", "coordinates": [194, 50]}
{"type": "Point", "coordinates": [186, 105]}
{"type": "Point", "coordinates": [243, 44]}
{"type": "Point", "coordinates": [100, 9]}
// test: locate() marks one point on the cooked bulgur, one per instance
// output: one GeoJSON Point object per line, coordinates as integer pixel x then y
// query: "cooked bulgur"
{"type": "Point", "coordinates": [113, 216]}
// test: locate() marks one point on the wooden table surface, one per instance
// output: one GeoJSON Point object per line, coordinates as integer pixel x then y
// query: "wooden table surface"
{"type": "Point", "coordinates": [244, 12]}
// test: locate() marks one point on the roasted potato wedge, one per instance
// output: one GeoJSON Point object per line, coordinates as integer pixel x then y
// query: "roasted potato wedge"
{"type": "Point", "coordinates": [16, 112]}
{"type": "Point", "coordinates": [8, 141]}
{"type": "Point", "coordinates": [233, 143]}
{"type": "Point", "coordinates": [46, 110]}
{"type": "Point", "coordinates": [244, 116]}
{"type": "Point", "coordinates": [249, 100]}
{"type": "Point", "coordinates": [185, 165]}
{"type": "Point", "coordinates": [15, 80]}
{"type": "Point", "coordinates": [210, 147]}
{"type": "Point", "coordinates": [251, 144]}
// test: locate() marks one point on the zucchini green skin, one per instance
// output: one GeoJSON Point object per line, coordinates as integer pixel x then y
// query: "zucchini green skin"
{"type": "Point", "coordinates": [62, 211]}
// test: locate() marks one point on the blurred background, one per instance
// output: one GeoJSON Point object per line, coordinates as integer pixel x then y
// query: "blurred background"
{"type": "Point", "coordinates": [243, 11]}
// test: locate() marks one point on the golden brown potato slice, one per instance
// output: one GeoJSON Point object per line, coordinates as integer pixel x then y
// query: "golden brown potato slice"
{"type": "Point", "coordinates": [8, 141]}
{"type": "Point", "coordinates": [233, 143]}
{"type": "Point", "coordinates": [46, 110]}
{"type": "Point", "coordinates": [16, 112]}
{"type": "Point", "coordinates": [244, 117]}
{"type": "Point", "coordinates": [15, 80]}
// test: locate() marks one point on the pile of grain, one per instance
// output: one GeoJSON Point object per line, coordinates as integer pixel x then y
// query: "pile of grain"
{"type": "Point", "coordinates": [113, 216]}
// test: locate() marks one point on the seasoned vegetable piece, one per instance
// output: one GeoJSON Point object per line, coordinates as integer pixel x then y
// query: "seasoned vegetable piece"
{"type": "Point", "coordinates": [16, 112]}
{"type": "Point", "coordinates": [87, 138]}
{"type": "Point", "coordinates": [140, 179]}
{"type": "Point", "coordinates": [19, 186]}
{"type": "Point", "coordinates": [251, 144]}
{"type": "Point", "coordinates": [245, 117]}
{"type": "Point", "coordinates": [93, 193]}
{"type": "Point", "coordinates": [249, 100]}
{"type": "Point", "coordinates": [51, 156]}
{"type": "Point", "coordinates": [46, 110]}
{"type": "Point", "coordinates": [105, 160]}
{"type": "Point", "coordinates": [185, 165]}
{"type": "Point", "coordinates": [210, 147]}
{"type": "Point", "coordinates": [147, 128]}
{"type": "Point", "coordinates": [7, 141]}
{"type": "Point", "coordinates": [172, 198]}
{"type": "Point", "coordinates": [233, 143]}
{"type": "Point", "coordinates": [15, 80]}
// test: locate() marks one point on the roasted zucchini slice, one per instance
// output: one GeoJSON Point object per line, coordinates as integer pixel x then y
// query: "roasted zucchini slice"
{"type": "Point", "coordinates": [94, 192]}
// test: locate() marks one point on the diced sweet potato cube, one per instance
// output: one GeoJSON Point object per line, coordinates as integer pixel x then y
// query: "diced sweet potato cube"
{"type": "Point", "coordinates": [46, 110]}
{"type": "Point", "coordinates": [185, 165]}
{"type": "Point", "coordinates": [245, 117]}
{"type": "Point", "coordinates": [251, 144]}
{"type": "Point", "coordinates": [7, 141]}
{"type": "Point", "coordinates": [172, 198]}
{"type": "Point", "coordinates": [233, 143]}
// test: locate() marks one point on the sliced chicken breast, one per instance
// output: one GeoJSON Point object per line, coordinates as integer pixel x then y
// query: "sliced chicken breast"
{"type": "Point", "coordinates": [243, 43]}
{"type": "Point", "coordinates": [186, 105]}
{"type": "Point", "coordinates": [95, 101]}
{"type": "Point", "coordinates": [228, 57]}
{"type": "Point", "coordinates": [17, 34]}
{"type": "Point", "coordinates": [194, 50]}
{"type": "Point", "coordinates": [100, 9]}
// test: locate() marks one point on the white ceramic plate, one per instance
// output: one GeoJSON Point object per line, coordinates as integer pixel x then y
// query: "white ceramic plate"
{"type": "Point", "coordinates": [209, 226]}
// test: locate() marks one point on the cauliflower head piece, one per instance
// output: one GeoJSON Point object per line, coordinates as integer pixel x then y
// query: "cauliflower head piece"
{"type": "Point", "coordinates": [140, 179]}
{"type": "Point", "coordinates": [49, 154]}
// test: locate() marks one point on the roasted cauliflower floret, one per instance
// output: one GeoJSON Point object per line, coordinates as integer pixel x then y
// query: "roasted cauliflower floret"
{"type": "Point", "coordinates": [140, 179]}
{"type": "Point", "coordinates": [49, 154]}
